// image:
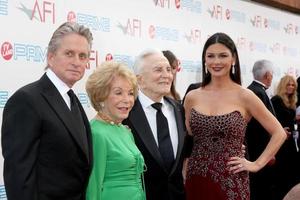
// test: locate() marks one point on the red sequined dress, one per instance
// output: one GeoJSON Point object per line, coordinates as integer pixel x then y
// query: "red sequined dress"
{"type": "Point", "coordinates": [216, 138]}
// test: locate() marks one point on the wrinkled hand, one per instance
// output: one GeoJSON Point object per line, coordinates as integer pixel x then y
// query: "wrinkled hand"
{"type": "Point", "coordinates": [237, 164]}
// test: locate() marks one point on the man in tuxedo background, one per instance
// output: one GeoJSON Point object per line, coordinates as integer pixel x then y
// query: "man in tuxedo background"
{"type": "Point", "coordinates": [163, 176]}
{"type": "Point", "coordinates": [261, 183]}
{"type": "Point", "coordinates": [46, 142]}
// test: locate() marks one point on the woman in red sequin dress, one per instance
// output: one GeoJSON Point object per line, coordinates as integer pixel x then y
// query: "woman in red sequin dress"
{"type": "Point", "coordinates": [216, 115]}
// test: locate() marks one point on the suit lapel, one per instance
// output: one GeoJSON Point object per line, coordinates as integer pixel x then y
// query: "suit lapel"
{"type": "Point", "coordinates": [266, 100]}
{"type": "Point", "coordinates": [140, 123]}
{"type": "Point", "coordinates": [180, 131]}
{"type": "Point", "coordinates": [56, 102]}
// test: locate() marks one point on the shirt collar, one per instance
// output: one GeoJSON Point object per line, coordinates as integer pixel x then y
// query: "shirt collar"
{"type": "Point", "coordinates": [58, 83]}
{"type": "Point", "coordinates": [263, 85]}
{"type": "Point", "coordinates": [146, 102]}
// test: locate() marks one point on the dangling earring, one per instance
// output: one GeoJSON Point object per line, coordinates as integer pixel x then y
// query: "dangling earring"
{"type": "Point", "coordinates": [101, 105]}
{"type": "Point", "coordinates": [205, 68]}
{"type": "Point", "coordinates": [233, 69]}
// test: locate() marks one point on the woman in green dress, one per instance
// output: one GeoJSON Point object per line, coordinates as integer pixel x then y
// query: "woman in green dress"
{"type": "Point", "coordinates": [118, 164]}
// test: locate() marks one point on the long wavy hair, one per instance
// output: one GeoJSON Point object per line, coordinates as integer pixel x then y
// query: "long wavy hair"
{"type": "Point", "coordinates": [224, 39]}
{"type": "Point", "coordinates": [288, 100]}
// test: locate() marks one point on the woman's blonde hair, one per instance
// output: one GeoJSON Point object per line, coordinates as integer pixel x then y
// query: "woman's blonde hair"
{"type": "Point", "coordinates": [98, 85]}
{"type": "Point", "coordinates": [288, 100]}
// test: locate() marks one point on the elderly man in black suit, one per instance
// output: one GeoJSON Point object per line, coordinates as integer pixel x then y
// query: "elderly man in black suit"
{"type": "Point", "coordinates": [261, 183]}
{"type": "Point", "coordinates": [157, 123]}
{"type": "Point", "coordinates": [46, 141]}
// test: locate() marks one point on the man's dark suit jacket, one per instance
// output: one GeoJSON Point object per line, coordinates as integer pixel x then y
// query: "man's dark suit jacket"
{"type": "Point", "coordinates": [44, 158]}
{"type": "Point", "coordinates": [160, 184]}
{"type": "Point", "coordinates": [257, 138]}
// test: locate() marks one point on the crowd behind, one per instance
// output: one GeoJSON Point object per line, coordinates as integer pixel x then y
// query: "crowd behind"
{"type": "Point", "coordinates": [220, 141]}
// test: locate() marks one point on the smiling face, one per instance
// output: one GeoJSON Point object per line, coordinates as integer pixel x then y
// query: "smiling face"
{"type": "Point", "coordinates": [156, 77]}
{"type": "Point", "coordinates": [219, 60]}
{"type": "Point", "coordinates": [120, 99]}
{"type": "Point", "coordinates": [290, 88]}
{"type": "Point", "coordinates": [69, 61]}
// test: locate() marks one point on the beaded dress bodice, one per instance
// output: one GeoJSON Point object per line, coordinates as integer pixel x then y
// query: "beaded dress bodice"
{"type": "Point", "coordinates": [216, 139]}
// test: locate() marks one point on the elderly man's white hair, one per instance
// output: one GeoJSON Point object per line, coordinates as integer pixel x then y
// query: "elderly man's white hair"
{"type": "Point", "coordinates": [260, 68]}
{"type": "Point", "coordinates": [139, 61]}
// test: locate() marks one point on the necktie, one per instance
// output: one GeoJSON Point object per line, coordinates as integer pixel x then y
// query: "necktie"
{"type": "Point", "coordinates": [77, 117]}
{"type": "Point", "coordinates": [163, 135]}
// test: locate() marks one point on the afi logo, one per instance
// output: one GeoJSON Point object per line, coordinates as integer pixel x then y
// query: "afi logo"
{"type": "Point", "coordinates": [259, 22]}
{"type": "Point", "coordinates": [291, 29]}
{"type": "Point", "coordinates": [132, 28]}
{"type": "Point", "coordinates": [276, 48]}
{"type": "Point", "coordinates": [194, 36]}
{"type": "Point", "coordinates": [43, 11]}
{"type": "Point", "coordinates": [6, 50]}
{"type": "Point", "coordinates": [162, 3]}
{"type": "Point", "coordinates": [241, 43]}
{"type": "Point", "coordinates": [47, 8]}
{"type": "Point", "coordinates": [216, 12]}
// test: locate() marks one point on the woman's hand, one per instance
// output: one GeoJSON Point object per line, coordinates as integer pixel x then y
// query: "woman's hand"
{"type": "Point", "coordinates": [237, 164]}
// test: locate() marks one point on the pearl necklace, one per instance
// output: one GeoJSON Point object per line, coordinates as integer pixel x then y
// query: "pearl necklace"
{"type": "Point", "coordinates": [102, 116]}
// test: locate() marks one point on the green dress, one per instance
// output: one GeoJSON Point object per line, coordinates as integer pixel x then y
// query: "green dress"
{"type": "Point", "coordinates": [118, 164]}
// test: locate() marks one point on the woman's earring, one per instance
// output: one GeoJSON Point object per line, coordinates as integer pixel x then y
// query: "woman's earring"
{"type": "Point", "coordinates": [205, 68]}
{"type": "Point", "coordinates": [233, 69]}
{"type": "Point", "coordinates": [102, 105]}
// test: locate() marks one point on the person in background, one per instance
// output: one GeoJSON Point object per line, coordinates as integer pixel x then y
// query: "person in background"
{"type": "Point", "coordinates": [46, 142]}
{"type": "Point", "coordinates": [257, 137]}
{"type": "Point", "coordinates": [174, 63]}
{"type": "Point", "coordinates": [216, 115]}
{"type": "Point", "coordinates": [298, 92]}
{"type": "Point", "coordinates": [191, 87]}
{"type": "Point", "coordinates": [118, 164]}
{"type": "Point", "coordinates": [287, 159]}
{"type": "Point", "coordinates": [157, 123]}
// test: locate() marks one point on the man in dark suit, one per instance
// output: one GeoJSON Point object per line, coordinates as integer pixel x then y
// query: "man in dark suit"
{"type": "Point", "coordinates": [163, 175]}
{"type": "Point", "coordinates": [46, 142]}
{"type": "Point", "coordinates": [261, 183]}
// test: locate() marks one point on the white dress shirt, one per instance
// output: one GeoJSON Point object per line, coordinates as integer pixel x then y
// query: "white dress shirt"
{"type": "Point", "coordinates": [60, 86]}
{"type": "Point", "coordinates": [168, 111]}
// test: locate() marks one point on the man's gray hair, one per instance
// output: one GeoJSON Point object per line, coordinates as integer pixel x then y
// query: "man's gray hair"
{"type": "Point", "coordinates": [138, 66]}
{"type": "Point", "coordinates": [260, 68]}
{"type": "Point", "coordinates": [66, 29]}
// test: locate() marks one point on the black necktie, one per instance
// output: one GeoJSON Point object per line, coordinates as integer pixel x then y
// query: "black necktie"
{"type": "Point", "coordinates": [163, 135]}
{"type": "Point", "coordinates": [78, 120]}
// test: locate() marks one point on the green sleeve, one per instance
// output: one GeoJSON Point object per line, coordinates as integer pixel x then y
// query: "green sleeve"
{"type": "Point", "coordinates": [95, 184]}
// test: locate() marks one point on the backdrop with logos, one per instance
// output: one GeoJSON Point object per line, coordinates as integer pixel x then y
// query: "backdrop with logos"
{"type": "Point", "coordinates": [122, 29]}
